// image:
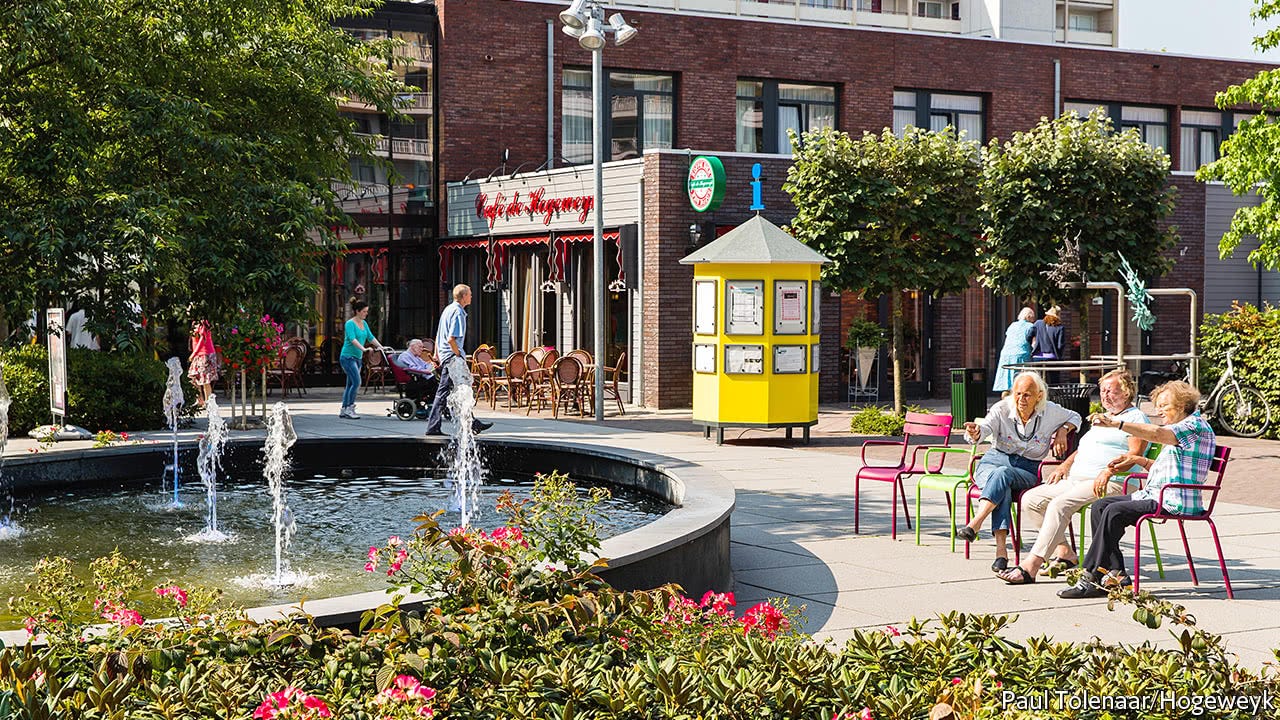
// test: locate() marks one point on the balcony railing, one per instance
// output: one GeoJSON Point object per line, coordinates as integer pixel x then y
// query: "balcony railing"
{"type": "Point", "coordinates": [415, 51]}
{"type": "Point", "coordinates": [414, 102]}
{"type": "Point", "coordinates": [827, 12]}
{"type": "Point", "coordinates": [407, 148]}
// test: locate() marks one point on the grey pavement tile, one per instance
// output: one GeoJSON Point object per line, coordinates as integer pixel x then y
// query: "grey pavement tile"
{"type": "Point", "coordinates": [749, 557]}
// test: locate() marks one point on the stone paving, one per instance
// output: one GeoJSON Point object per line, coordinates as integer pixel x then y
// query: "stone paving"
{"type": "Point", "coordinates": [792, 531]}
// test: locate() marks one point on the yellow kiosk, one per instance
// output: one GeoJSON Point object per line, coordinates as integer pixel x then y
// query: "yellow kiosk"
{"type": "Point", "coordinates": [756, 310]}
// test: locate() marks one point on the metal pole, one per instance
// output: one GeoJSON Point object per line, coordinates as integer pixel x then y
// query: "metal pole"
{"type": "Point", "coordinates": [597, 149]}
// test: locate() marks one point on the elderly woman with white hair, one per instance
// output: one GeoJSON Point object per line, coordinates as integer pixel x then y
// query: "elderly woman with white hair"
{"type": "Point", "coordinates": [1017, 348]}
{"type": "Point", "coordinates": [1023, 428]}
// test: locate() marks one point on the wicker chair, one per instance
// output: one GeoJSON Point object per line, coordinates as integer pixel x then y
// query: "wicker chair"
{"type": "Point", "coordinates": [512, 381]}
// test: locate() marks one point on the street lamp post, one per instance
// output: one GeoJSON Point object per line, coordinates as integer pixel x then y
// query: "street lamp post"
{"type": "Point", "coordinates": [585, 20]}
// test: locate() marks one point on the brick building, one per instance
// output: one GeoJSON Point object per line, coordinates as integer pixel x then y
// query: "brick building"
{"type": "Point", "coordinates": [708, 77]}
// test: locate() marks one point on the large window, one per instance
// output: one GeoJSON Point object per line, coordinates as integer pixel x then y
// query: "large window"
{"type": "Point", "coordinates": [1202, 134]}
{"type": "Point", "coordinates": [935, 111]}
{"type": "Point", "coordinates": [641, 114]}
{"type": "Point", "coordinates": [767, 109]}
{"type": "Point", "coordinates": [1152, 123]}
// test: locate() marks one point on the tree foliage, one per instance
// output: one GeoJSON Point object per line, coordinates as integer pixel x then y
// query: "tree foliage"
{"type": "Point", "coordinates": [891, 214]}
{"type": "Point", "coordinates": [1074, 178]}
{"type": "Point", "coordinates": [1249, 156]}
{"type": "Point", "coordinates": [156, 154]}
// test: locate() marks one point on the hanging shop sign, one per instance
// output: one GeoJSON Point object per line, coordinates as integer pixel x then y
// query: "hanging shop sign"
{"type": "Point", "coordinates": [706, 183]}
{"type": "Point", "coordinates": [536, 205]}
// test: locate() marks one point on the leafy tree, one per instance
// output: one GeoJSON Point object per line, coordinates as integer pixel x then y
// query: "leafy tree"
{"type": "Point", "coordinates": [1248, 155]}
{"type": "Point", "coordinates": [1074, 179]}
{"type": "Point", "coordinates": [166, 157]}
{"type": "Point", "coordinates": [891, 213]}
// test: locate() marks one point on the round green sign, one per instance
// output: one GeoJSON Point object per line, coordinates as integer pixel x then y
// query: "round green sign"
{"type": "Point", "coordinates": [706, 183]}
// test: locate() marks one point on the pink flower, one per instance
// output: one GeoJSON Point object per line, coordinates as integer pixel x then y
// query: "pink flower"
{"type": "Point", "coordinates": [891, 631]}
{"type": "Point", "coordinates": [173, 591]}
{"type": "Point", "coordinates": [718, 603]}
{"type": "Point", "coordinates": [956, 681]}
{"type": "Point", "coordinates": [370, 566]}
{"type": "Point", "coordinates": [767, 618]}
{"type": "Point", "coordinates": [394, 541]}
{"type": "Point", "coordinates": [373, 553]}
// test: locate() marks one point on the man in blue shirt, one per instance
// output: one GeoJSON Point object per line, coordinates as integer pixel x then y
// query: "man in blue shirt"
{"type": "Point", "coordinates": [449, 338]}
{"type": "Point", "coordinates": [422, 371]}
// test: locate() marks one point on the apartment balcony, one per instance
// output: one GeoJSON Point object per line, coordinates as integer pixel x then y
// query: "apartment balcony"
{"type": "Point", "coordinates": [418, 53]}
{"type": "Point", "coordinates": [1084, 37]}
{"type": "Point", "coordinates": [400, 148]}
{"type": "Point", "coordinates": [826, 12]}
{"type": "Point", "coordinates": [408, 103]}
{"type": "Point", "coordinates": [1090, 5]}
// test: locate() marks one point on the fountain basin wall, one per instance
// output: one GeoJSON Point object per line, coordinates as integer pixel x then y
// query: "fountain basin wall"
{"type": "Point", "coordinates": [689, 545]}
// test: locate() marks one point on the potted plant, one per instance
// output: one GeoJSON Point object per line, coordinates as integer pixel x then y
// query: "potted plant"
{"type": "Point", "coordinates": [865, 338]}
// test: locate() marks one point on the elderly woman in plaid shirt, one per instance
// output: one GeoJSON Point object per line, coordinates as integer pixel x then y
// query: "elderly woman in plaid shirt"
{"type": "Point", "coordinates": [1189, 444]}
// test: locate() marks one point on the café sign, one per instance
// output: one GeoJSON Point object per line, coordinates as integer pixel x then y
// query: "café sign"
{"type": "Point", "coordinates": [706, 183]}
{"type": "Point", "coordinates": [535, 206]}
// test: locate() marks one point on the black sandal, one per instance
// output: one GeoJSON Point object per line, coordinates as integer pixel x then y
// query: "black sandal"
{"type": "Point", "coordinates": [966, 533]}
{"type": "Point", "coordinates": [1021, 578]}
{"type": "Point", "coordinates": [1000, 565]}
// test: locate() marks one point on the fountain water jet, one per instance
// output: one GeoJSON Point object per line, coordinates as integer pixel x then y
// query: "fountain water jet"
{"type": "Point", "coordinates": [173, 402]}
{"type": "Point", "coordinates": [208, 463]}
{"type": "Point", "coordinates": [466, 470]}
{"type": "Point", "coordinates": [8, 528]}
{"type": "Point", "coordinates": [280, 437]}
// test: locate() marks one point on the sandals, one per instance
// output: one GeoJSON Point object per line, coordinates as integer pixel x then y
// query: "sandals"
{"type": "Point", "coordinates": [1057, 566]}
{"type": "Point", "coordinates": [1017, 576]}
{"type": "Point", "coordinates": [1000, 565]}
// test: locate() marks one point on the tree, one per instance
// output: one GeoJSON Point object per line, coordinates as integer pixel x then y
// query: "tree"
{"type": "Point", "coordinates": [1248, 161]}
{"type": "Point", "coordinates": [1074, 179]}
{"type": "Point", "coordinates": [166, 157]}
{"type": "Point", "coordinates": [891, 213]}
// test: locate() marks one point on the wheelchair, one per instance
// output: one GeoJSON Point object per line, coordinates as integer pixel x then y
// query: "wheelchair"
{"type": "Point", "coordinates": [416, 393]}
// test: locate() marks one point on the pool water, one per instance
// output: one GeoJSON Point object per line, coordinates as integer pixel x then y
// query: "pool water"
{"type": "Point", "coordinates": [339, 514]}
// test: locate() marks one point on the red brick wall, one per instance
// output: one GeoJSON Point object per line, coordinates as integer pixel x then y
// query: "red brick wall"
{"type": "Point", "coordinates": [492, 96]}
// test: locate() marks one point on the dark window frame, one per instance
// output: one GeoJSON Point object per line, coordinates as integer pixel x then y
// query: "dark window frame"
{"type": "Point", "coordinates": [1115, 111]}
{"type": "Point", "coordinates": [925, 111]}
{"type": "Point", "coordinates": [770, 106]}
{"type": "Point", "coordinates": [1225, 128]}
{"type": "Point", "coordinates": [609, 95]}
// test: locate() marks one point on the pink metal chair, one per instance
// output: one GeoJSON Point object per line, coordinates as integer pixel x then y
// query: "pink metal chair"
{"type": "Point", "coordinates": [919, 426]}
{"type": "Point", "coordinates": [1219, 465]}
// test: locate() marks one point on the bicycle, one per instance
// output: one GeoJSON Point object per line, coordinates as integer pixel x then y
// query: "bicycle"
{"type": "Point", "coordinates": [1240, 409]}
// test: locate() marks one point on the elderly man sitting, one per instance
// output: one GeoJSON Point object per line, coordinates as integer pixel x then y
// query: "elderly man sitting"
{"type": "Point", "coordinates": [421, 368]}
{"type": "Point", "coordinates": [1023, 428]}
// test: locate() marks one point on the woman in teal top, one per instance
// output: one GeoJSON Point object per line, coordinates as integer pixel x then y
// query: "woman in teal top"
{"type": "Point", "coordinates": [355, 339]}
{"type": "Point", "coordinates": [1016, 350]}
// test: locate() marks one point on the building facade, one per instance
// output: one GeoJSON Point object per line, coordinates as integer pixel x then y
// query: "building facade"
{"type": "Point", "coordinates": [729, 78]}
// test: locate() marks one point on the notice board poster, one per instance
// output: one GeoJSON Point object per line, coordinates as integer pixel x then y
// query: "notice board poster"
{"type": "Point", "coordinates": [55, 319]}
{"type": "Point", "coordinates": [744, 359]}
{"type": "Point", "coordinates": [744, 307]}
{"type": "Point", "coordinates": [789, 359]}
{"type": "Point", "coordinates": [704, 307]}
{"type": "Point", "coordinates": [704, 358]}
{"type": "Point", "coordinates": [790, 307]}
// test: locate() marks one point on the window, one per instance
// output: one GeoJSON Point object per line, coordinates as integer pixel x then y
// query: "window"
{"type": "Point", "coordinates": [1086, 22]}
{"type": "Point", "coordinates": [929, 8]}
{"type": "Point", "coordinates": [1152, 123]}
{"type": "Point", "coordinates": [641, 114]}
{"type": "Point", "coordinates": [767, 109]}
{"type": "Point", "coordinates": [1202, 134]}
{"type": "Point", "coordinates": [935, 111]}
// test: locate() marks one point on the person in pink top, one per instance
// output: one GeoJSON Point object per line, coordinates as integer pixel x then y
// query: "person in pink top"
{"type": "Point", "coordinates": [202, 366]}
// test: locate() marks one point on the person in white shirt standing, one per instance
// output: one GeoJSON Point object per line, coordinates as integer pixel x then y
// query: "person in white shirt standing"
{"type": "Point", "coordinates": [449, 339]}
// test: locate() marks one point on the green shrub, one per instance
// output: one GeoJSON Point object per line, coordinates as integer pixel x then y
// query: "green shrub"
{"type": "Point", "coordinates": [105, 390]}
{"type": "Point", "coordinates": [1253, 336]}
{"type": "Point", "coordinates": [872, 420]}
{"type": "Point", "coordinates": [865, 334]}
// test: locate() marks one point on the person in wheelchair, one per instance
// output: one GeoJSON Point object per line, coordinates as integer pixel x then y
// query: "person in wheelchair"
{"type": "Point", "coordinates": [419, 381]}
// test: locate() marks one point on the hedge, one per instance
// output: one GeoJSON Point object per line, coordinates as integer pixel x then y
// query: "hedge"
{"type": "Point", "coordinates": [105, 390]}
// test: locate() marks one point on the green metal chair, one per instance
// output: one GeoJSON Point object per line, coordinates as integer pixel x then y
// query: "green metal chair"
{"type": "Point", "coordinates": [953, 485]}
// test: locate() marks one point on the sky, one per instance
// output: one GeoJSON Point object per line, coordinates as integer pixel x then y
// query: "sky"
{"type": "Point", "coordinates": [1210, 28]}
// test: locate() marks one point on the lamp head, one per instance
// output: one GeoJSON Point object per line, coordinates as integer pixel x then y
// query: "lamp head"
{"type": "Point", "coordinates": [572, 32]}
{"type": "Point", "coordinates": [593, 37]}
{"type": "Point", "coordinates": [622, 32]}
{"type": "Point", "coordinates": [573, 17]}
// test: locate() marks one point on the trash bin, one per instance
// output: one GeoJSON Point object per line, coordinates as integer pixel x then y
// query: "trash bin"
{"type": "Point", "coordinates": [1074, 396]}
{"type": "Point", "coordinates": [968, 395]}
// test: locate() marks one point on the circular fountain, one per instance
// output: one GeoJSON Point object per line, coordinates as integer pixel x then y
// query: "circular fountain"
{"type": "Point", "coordinates": [345, 494]}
